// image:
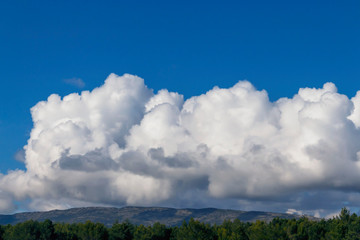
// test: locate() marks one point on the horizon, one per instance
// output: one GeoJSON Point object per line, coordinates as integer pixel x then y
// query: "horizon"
{"type": "Point", "coordinates": [203, 208]}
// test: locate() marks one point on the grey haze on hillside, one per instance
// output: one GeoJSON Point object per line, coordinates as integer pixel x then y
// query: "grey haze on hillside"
{"type": "Point", "coordinates": [143, 215]}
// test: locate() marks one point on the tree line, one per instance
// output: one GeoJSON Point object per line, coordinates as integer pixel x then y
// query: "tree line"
{"type": "Point", "coordinates": [345, 226]}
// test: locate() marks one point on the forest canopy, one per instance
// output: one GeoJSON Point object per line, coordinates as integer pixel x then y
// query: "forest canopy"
{"type": "Point", "coordinates": [344, 226]}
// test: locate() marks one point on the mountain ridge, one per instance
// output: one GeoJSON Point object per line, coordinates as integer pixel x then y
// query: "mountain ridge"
{"type": "Point", "coordinates": [144, 215]}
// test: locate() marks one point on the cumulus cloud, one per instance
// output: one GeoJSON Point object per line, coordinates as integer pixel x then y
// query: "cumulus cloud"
{"type": "Point", "coordinates": [6, 202]}
{"type": "Point", "coordinates": [123, 144]}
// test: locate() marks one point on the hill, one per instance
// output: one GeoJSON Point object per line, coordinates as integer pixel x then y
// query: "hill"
{"type": "Point", "coordinates": [143, 215]}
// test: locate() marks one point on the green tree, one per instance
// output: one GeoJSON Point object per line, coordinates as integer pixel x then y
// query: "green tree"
{"type": "Point", "coordinates": [195, 230]}
{"type": "Point", "coordinates": [142, 233]}
{"type": "Point", "coordinates": [258, 231]}
{"type": "Point", "coordinates": [121, 231]}
{"type": "Point", "coordinates": [92, 231]}
{"type": "Point", "coordinates": [2, 232]}
{"type": "Point", "coordinates": [65, 231]}
{"type": "Point", "coordinates": [160, 232]}
{"type": "Point", "coordinates": [47, 230]}
{"type": "Point", "coordinates": [344, 215]}
{"type": "Point", "coordinates": [29, 230]}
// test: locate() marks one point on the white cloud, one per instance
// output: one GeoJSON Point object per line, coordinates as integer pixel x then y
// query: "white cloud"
{"type": "Point", "coordinates": [20, 155]}
{"type": "Point", "coordinates": [6, 203]}
{"type": "Point", "coordinates": [294, 211]}
{"type": "Point", "coordinates": [123, 144]}
{"type": "Point", "coordinates": [77, 82]}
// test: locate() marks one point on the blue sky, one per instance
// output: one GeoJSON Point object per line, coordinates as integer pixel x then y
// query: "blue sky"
{"type": "Point", "coordinates": [185, 47]}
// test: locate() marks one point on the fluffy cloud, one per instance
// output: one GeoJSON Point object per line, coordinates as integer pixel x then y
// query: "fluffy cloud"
{"type": "Point", "coordinates": [121, 144]}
